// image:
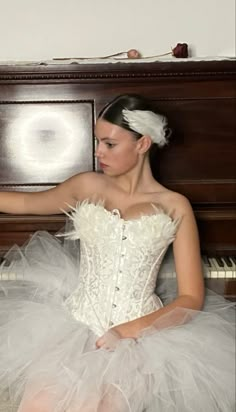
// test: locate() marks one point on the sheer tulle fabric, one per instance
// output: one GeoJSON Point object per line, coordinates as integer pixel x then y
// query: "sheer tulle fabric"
{"type": "Point", "coordinates": [49, 361]}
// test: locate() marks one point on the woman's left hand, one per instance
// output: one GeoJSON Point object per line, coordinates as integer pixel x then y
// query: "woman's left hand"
{"type": "Point", "coordinates": [128, 330]}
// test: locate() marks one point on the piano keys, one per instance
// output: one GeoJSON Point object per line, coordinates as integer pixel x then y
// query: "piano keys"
{"type": "Point", "coordinates": [219, 273]}
{"type": "Point", "coordinates": [223, 267]}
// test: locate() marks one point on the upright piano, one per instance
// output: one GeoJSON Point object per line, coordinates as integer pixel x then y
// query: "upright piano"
{"type": "Point", "coordinates": [47, 116]}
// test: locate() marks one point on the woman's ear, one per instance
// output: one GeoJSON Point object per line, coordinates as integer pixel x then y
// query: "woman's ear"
{"type": "Point", "coordinates": [144, 144]}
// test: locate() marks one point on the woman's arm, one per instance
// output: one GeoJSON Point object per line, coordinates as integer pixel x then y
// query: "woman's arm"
{"type": "Point", "coordinates": [52, 201]}
{"type": "Point", "coordinates": [189, 279]}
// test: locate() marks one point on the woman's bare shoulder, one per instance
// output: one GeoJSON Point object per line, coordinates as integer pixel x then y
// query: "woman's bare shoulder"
{"type": "Point", "coordinates": [86, 185]}
{"type": "Point", "coordinates": [89, 177]}
{"type": "Point", "coordinates": [175, 203]}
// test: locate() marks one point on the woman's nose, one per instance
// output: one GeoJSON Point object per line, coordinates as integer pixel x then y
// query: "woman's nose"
{"type": "Point", "coordinates": [98, 151]}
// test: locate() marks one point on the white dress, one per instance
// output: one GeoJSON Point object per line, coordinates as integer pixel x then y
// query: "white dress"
{"type": "Point", "coordinates": [50, 321]}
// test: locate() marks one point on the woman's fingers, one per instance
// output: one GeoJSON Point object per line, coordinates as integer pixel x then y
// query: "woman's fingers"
{"type": "Point", "coordinates": [108, 341]}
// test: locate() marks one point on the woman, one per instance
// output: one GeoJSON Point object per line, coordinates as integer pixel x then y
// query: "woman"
{"type": "Point", "coordinates": [102, 340]}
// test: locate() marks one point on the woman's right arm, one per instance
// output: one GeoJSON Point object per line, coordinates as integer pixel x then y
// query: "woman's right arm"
{"type": "Point", "coordinates": [52, 201]}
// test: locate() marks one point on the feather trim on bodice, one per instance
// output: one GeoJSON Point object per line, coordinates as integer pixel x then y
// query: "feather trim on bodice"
{"type": "Point", "coordinates": [119, 263]}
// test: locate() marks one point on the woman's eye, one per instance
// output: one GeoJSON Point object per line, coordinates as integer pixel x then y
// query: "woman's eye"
{"type": "Point", "coordinates": [110, 145]}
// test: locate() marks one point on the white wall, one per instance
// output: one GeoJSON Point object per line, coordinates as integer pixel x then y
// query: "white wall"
{"type": "Point", "coordinates": [43, 29]}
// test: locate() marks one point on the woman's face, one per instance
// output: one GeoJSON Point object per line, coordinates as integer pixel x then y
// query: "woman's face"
{"type": "Point", "coordinates": [116, 149]}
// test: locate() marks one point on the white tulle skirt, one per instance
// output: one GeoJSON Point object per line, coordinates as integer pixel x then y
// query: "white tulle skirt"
{"type": "Point", "coordinates": [49, 361]}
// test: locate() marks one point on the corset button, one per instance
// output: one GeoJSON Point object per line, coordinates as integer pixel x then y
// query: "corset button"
{"type": "Point", "coordinates": [124, 237]}
{"type": "Point", "coordinates": [116, 212]}
{"type": "Point", "coordinates": [111, 323]}
{"type": "Point", "coordinates": [113, 305]}
{"type": "Point", "coordinates": [117, 289]}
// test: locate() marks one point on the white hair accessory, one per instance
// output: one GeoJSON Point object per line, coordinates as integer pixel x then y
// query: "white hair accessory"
{"type": "Point", "coordinates": [147, 123]}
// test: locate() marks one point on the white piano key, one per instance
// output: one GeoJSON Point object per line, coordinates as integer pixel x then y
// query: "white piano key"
{"type": "Point", "coordinates": [228, 269]}
{"type": "Point", "coordinates": [233, 268]}
{"type": "Point", "coordinates": [213, 269]}
{"type": "Point", "coordinates": [221, 272]}
{"type": "Point", "coordinates": [4, 276]}
{"type": "Point", "coordinates": [8, 276]}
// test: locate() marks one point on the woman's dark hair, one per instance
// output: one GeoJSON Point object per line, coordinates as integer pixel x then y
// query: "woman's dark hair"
{"type": "Point", "coordinates": [112, 113]}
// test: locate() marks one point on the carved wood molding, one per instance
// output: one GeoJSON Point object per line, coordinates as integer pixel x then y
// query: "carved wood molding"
{"type": "Point", "coordinates": [118, 71]}
{"type": "Point", "coordinates": [160, 98]}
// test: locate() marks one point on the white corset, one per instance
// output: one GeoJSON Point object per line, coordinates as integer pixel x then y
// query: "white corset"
{"type": "Point", "coordinates": [119, 263]}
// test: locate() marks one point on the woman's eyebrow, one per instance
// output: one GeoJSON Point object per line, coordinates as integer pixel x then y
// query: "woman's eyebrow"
{"type": "Point", "coordinates": [106, 138]}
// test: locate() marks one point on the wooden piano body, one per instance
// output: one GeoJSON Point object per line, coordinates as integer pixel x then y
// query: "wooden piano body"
{"type": "Point", "coordinates": [47, 114]}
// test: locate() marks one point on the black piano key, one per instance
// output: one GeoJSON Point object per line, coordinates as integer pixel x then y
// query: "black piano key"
{"type": "Point", "coordinates": [228, 261]}
{"type": "Point", "coordinates": [233, 259]}
{"type": "Point", "coordinates": [209, 259]}
{"type": "Point", "coordinates": [219, 261]}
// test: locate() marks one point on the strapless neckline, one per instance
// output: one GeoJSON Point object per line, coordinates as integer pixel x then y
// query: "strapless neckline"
{"type": "Point", "coordinates": [115, 213]}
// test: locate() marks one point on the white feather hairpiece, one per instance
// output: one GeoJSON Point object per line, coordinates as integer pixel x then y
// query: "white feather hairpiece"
{"type": "Point", "coordinates": [147, 123]}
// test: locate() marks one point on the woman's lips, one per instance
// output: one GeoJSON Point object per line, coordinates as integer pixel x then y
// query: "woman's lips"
{"type": "Point", "coordinates": [102, 165]}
